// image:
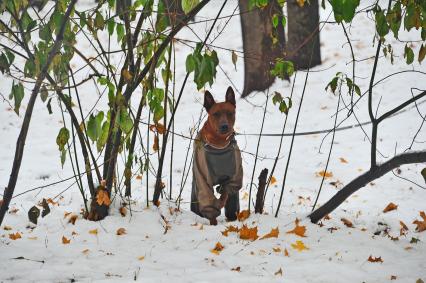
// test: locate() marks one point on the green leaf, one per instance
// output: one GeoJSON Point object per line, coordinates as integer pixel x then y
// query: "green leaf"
{"type": "Point", "coordinates": [275, 20]}
{"type": "Point", "coordinates": [120, 32]}
{"type": "Point", "coordinates": [283, 107]}
{"type": "Point", "coordinates": [62, 138]}
{"type": "Point", "coordinates": [124, 121]}
{"type": "Point", "coordinates": [33, 214]}
{"type": "Point", "coordinates": [94, 126]}
{"type": "Point", "coordinates": [357, 90]}
{"type": "Point", "coordinates": [44, 93]}
{"type": "Point", "coordinates": [63, 157]}
{"type": "Point", "coordinates": [103, 137]}
{"type": "Point", "coordinates": [344, 10]}
{"type": "Point", "coordinates": [111, 26]}
{"type": "Point", "coordinates": [49, 106]}
{"type": "Point", "coordinates": [99, 21]}
{"type": "Point", "coordinates": [188, 5]}
{"type": "Point", "coordinates": [282, 69]}
{"type": "Point", "coordinates": [190, 63]}
{"type": "Point", "coordinates": [408, 54]}
{"type": "Point", "coordinates": [394, 18]}
{"type": "Point", "coordinates": [332, 84]}
{"type": "Point", "coordinates": [17, 94]}
{"type": "Point", "coordinates": [277, 98]}
{"type": "Point", "coordinates": [422, 53]}
{"type": "Point", "coordinates": [4, 63]}
{"type": "Point", "coordinates": [423, 172]}
{"type": "Point", "coordinates": [381, 24]}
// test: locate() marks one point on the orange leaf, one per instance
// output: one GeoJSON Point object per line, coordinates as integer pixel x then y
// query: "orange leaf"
{"type": "Point", "coordinates": [421, 225]}
{"type": "Point", "coordinates": [286, 252]}
{"type": "Point", "coordinates": [343, 160]}
{"type": "Point", "coordinates": [93, 232]}
{"type": "Point", "coordinates": [347, 222]}
{"type": "Point", "coordinates": [218, 248]}
{"type": "Point", "coordinates": [403, 229]}
{"type": "Point", "coordinates": [273, 180]}
{"type": "Point", "coordinates": [123, 211]}
{"type": "Point", "coordinates": [298, 230]}
{"type": "Point", "coordinates": [322, 173]}
{"type": "Point", "coordinates": [375, 259]}
{"type": "Point", "coordinates": [277, 249]}
{"type": "Point", "coordinates": [230, 228]}
{"type": "Point", "coordinates": [299, 246]}
{"type": "Point", "coordinates": [65, 241]}
{"type": "Point", "coordinates": [66, 214]}
{"type": "Point", "coordinates": [102, 197]}
{"type": "Point", "coordinates": [138, 177]}
{"type": "Point", "coordinates": [158, 127]}
{"type": "Point", "coordinates": [248, 233]}
{"type": "Point", "coordinates": [141, 258]}
{"type": "Point", "coordinates": [121, 231]}
{"type": "Point", "coordinates": [15, 236]}
{"type": "Point", "coordinates": [273, 234]}
{"type": "Point", "coordinates": [72, 219]}
{"type": "Point", "coordinates": [243, 215]}
{"type": "Point", "coordinates": [391, 206]}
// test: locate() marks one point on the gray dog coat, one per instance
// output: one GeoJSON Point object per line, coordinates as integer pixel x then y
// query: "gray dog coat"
{"type": "Point", "coordinates": [211, 167]}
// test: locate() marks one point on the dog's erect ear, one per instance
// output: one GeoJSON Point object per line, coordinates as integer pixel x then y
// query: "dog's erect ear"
{"type": "Point", "coordinates": [230, 96]}
{"type": "Point", "coordinates": [208, 100]}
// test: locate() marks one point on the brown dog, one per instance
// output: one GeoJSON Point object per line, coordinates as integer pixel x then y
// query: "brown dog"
{"type": "Point", "coordinates": [217, 161]}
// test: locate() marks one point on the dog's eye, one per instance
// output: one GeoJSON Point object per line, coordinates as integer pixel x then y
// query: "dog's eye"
{"type": "Point", "coordinates": [230, 114]}
{"type": "Point", "coordinates": [216, 114]}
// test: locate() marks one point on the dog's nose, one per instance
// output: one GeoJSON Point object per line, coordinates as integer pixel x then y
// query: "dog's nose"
{"type": "Point", "coordinates": [224, 128]}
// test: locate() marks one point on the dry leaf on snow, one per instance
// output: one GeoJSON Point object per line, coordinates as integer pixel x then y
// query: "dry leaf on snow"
{"type": "Point", "coordinates": [230, 228]}
{"type": "Point", "coordinates": [286, 252]}
{"type": "Point", "coordinates": [93, 232]}
{"type": "Point", "coordinates": [273, 234]}
{"type": "Point", "coordinates": [15, 236]}
{"type": "Point", "coordinates": [375, 259]}
{"type": "Point", "coordinates": [73, 219]}
{"type": "Point", "coordinates": [273, 180]}
{"type": "Point", "coordinates": [141, 258]}
{"type": "Point", "coordinates": [248, 233]}
{"type": "Point", "coordinates": [7, 228]}
{"type": "Point", "coordinates": [299, 246]}
{"type": "Point", "coordinates": [65, 241]}
{"type": "Point", "coordinates": [298, 230]}
{"type": "Point", "coordinates": [279, 272]}
{"type": "Point", "coordinates": [421, 225]}
{"type": "Point", "coordinates": [218, 248]}
{"type": "Point", "coordinates": [86, 251]}
{"type": "Point", "coordinates": [121, 231]}
{"type": "Point", "coordinates": [347, 222]}
{"type": "Point", "coordinates": [243, 215]}
{"type": "Point", "coordinates": [277, 249]}
{"type": "Point", "coordinates": [123, 211]}
{"type": "Point", "coordinates": [238, 269]}
{"type": "Point", "coordinates": [324, 174]}
{"type": "Point", "coordinates": [391, 206]}
{"type": "Point", "coordinates": [403, 229]}
{"type": "Point", "coordinates": [342, 160]}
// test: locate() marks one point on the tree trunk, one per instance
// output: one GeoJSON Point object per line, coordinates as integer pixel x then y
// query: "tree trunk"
{"type": "Point", "coordinates": [260, 201]}
{"type": "Point", "coordinates": [260, 51]}
{"type": "Point", "coordinates": [303, 34]}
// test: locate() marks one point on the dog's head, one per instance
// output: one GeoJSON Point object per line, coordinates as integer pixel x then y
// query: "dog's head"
{"type": "Point", "coordinates": [221, 115]}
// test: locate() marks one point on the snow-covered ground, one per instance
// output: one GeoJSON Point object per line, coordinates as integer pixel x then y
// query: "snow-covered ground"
{"type": "Point", "coordinates": [161, 244]}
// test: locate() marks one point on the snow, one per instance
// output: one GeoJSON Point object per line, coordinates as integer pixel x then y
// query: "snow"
{"type": "Point", "coordinates": [179, 249]}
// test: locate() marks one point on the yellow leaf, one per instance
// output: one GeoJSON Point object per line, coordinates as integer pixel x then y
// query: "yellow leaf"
{"type": "Point", "coordinates": [298, 230]}
{"type": "Point", "coordinates": [243, 215]}
{"type": "Point", "coordinates": [299, 246]}
{"type": "Point", "coordinates": [391, 206]}
{"type": "Point", "coordinates": [127, 75]}
{"type": "Point", "coordinates": [218, 248]}
{"type": "Point", "coordinates": [65, 241]}
{"type": "Point", "coordinates": [343, 160]}
{"type": "Point", "coordinates": [102, 197]}
{"type": "Point", "coordinates": [7, 228]}
{"type": "Point", "coordinates": [273, 180]}
{"type": "Point", "coordinates": [273, 234]}
{"type": "Point", "coordinates": [121, 231]}
{"type": "Point", "coordinates": [93, 232]}
{"type": "Point", "coordinates": [15, 236]}
{"type": "Point", "coordinates": [324, 174]}
{"type": "Point", "coordinates": [248, 233]}
{"type": "Point", "coordinates": [141, 258]}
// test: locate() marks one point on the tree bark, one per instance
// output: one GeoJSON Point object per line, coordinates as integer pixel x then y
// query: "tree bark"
{"type": "Point", "coordinates": [258, 208]}
{"type": "Point", "coordinates": [303, 34]}
{"type": "Point", "coordinates": [364, 179]}
{"type": "Point", "coordinates": [260, 51]}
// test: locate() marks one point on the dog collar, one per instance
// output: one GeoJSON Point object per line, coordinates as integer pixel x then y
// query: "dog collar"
{"type": "Point", "coordinates": [218, 147]}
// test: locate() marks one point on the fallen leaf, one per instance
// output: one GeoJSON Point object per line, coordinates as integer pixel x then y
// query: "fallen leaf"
{"type": "Point", "coordinates": [121, 231]}
{"type": "Point", "coordinates": [33, 214]}
{"type": "Point", "coordinates": [248, 233]}
{"type": "Point", "coordinates": [298, 230]}
{"type": "Point", "coordinates": [230, 228]}
{"type": "Point", "coordinates": [423, 172]}
{"type": "Point", "coordinates": [217, 249]}
{"type": "Point", "coordinates": [419, 281]}
{"type": "Point", "coordinates": [86, 251]}
{"type": "Point", "coordinates": [273, 180]}
{"type": "Point", "coordinates": [391, 206]}
{"type": "Point", "coordinates": [375, 259]}
{"type": "Point", "coordinates": [421, 225]}
{"type": "Point", "coordinates": [277, 249]}
{"type": "Point", "coordinates": [324, 174]}
{"type": "Point", "coordinates": [286, 252]}
{"type": "Point", "coordinates": [141, 258]}
{"type": "Point", "coordinates": [299, 246]}
{"type": "Point", "coordinates": [408, 248]}
{"type": "Point", "coordinates": [52, 202]}
{"type": "Point", "coordinates": [93, 232]}
{"type": "Point", "coordinates": [347, 222]}
{"type": "Point", "coordinates": [273, 234]}
{"type": "Point", "coordinates": [243, 215]}
{"type": "Point", "coordinates": [65, 241]}
{"type": "Point", "coordinates": [7, 228]}
{"type": "Point", "coordinates": [73, 219]}
{"type": "Point", "coordinates": [102, 197]}
{"type": "Point", "coordinates": [343, 160]}
{"type": "Point", "coordinates": [414, 240]}
{"type": "Point", "coordinates": [32, 238]}
{"type": "Point", "coordinates": [74, 233]}
{"type": "Point", "coordinates": [123, 211]}
{"type": "Point", "coordinates": [46, 208]}
{"type": "Point", "coordinates": [138, 177]}
{"type": "Point", "coordinates": [403, 229]}
{"type": "Point", "coordinates": [393, 277]}
{"type": "Point", "coordinates": [15, 236]}
{"type": "Point", "coordinates": [238, 269]}
{"type": "Point", "coordinates": [279, 272]}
